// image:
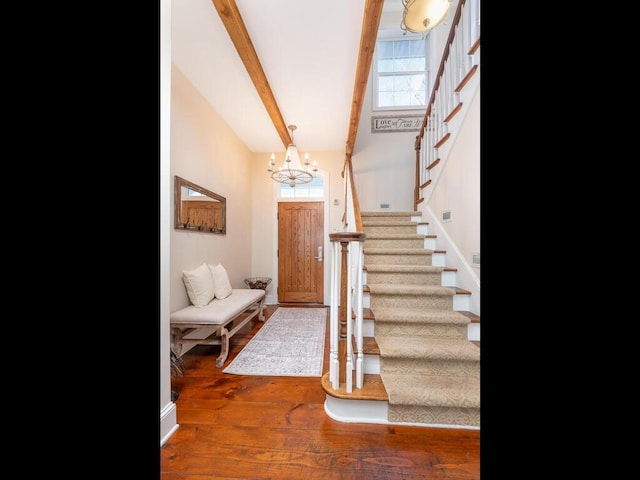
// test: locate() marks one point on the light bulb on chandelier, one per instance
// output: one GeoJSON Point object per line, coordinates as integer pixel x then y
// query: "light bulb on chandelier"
{"type": "Point", "coordinates": [291, 172]}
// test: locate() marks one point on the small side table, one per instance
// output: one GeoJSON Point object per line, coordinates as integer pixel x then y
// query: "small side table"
{"type": "Point", "coordinates": [258, 282]}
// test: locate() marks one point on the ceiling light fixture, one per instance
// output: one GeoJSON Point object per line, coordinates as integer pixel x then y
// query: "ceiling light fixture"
{"type": "Point", "coordinates": [291, 171]}
{"type": "Point", "coordinates": [419, 16]}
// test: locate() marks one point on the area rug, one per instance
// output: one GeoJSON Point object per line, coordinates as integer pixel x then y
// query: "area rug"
{"type": "Point", "coordinates": [290, 343]}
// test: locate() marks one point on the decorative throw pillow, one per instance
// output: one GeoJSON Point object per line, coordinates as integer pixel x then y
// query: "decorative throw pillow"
{"type": "Point", "coordinates": [221, 282]}
{"type": "Point", "coordinates": [199, 285]}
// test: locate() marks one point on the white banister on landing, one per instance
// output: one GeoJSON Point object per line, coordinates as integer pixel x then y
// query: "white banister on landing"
{"type": "Point", "coordinates": [346, 253]}
{"type": "Point", "coordinates": [334, 326]}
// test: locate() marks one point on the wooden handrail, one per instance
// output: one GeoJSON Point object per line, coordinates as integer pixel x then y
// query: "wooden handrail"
{"type": "Point", "coordinates": [368, 38]}
{"type": "Point", "coordinates": [443, 61]}
{"type": "Point", "coordinates": [356, 203]}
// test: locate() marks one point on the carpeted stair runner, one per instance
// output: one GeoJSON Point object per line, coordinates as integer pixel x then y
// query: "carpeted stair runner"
{"type": "Point", "coordinates": [431, 372]}
{"type": "Point", "coordinates": [409, 322]}
{"type": "Point", "coordinates": [407, 274]}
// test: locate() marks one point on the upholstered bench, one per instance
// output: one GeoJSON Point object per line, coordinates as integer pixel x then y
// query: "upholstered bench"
{"type": "Point", "coordinates": [228, 315]}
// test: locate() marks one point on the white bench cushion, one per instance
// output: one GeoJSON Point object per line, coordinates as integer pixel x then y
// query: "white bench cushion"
{"type": "Point", "coordinates": [218, 311]}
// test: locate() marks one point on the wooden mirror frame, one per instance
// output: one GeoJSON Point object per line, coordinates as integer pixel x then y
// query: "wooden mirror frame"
{"type": "Point", "coordinates": [210, 215]}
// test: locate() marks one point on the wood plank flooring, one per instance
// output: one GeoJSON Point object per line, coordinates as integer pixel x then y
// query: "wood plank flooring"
{"type": "Point", "coordinates": [260, 427]}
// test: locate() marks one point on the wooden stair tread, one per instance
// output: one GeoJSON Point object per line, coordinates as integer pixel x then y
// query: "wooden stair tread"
{"type": "Point", "coordinates": [372, 389]}
{"type": "Point", "coordinates": [370, 346]}
{"type": "Point", "coordinates": [461, 291]}
{"type": "Point", "coordinates": [472, 316]}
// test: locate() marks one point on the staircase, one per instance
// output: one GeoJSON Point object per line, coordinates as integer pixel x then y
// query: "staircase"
{"type": "Point", "coordinates": [420, 367]}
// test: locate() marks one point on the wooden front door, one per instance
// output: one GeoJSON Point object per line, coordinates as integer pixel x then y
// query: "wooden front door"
{"type": "Point", "coordinates": [300, 252]}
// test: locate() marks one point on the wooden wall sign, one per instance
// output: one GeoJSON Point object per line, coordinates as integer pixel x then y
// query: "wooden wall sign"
{"type": "Point", "coordinates": [396, 123]}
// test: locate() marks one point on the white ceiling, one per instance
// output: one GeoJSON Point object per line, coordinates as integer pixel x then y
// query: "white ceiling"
{"type": "Point", "coordinates": [308, 51]}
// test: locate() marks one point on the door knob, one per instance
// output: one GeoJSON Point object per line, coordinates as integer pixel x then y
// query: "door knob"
{"type": "Point", "coordinates": [319, 257]}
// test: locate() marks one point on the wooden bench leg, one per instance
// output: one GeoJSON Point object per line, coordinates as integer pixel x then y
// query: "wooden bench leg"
{"type": "Point", "coordinates": [224, 347]}
{"type": "Point", "coordinates": [177, 366]}
{"type": "Point", "coordinates": [176, 340]}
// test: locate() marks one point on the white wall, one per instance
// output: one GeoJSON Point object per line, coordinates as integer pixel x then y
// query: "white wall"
{"type": "Point", "coordinates": [456, 181]}
{"type": "Point", "coordinates": [458, 188]}
{"type": "Point", "coordinates": [205, 151]}
{"type": "Point", "coordinates": [383, 163]}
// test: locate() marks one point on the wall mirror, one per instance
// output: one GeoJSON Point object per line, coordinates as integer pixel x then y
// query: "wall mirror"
{"type": "Point", "coordinates": [198, 209]}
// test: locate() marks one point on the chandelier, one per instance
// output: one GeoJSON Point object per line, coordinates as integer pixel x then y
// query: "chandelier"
{"type": "Point", "coordinates": [419, 16]}
{"type": "Point", "coordinates": [291, 171]}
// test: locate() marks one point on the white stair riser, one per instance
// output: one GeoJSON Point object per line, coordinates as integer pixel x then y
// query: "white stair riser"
{"type": "Point", "coordinates": [372, 364]}
{"type": "Point", "coordinates": [356, 411]}
{"type": "Point", "coordinates": [438, 259]}
{"type": "Point", "coordinates": [422, 229]}
{"type": "Point", "coordinates": [473, 332]}
{"type": "Point", "coordinates": [461, 303]}
{"type": "Point", "coordinates": [430, 243]}
{"type": "Point", "coordinates": [369, 411]}
{"type": "Point", "coordinates": [448, 279]}
{"type": "Point", "coordinates": [368, 327]}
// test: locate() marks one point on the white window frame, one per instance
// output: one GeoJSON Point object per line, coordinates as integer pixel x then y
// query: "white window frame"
{"type": "Point", "coordinates": [375, 76]}
{"type": "Point", "coordinates": [295, 191]}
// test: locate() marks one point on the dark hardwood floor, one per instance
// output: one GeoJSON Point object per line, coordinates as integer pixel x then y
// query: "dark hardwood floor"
{"type": "Point", "coordinates": [259, 427]}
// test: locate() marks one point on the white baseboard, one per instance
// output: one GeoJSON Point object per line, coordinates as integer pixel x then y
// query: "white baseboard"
{"type": "Point", "coordinates": [168, 422]}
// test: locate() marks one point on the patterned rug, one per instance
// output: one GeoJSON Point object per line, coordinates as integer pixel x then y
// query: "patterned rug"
{"type": "Point", "coordinates": [290, 343]}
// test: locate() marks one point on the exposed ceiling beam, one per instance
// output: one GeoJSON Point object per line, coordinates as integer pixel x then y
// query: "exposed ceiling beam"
{"type": "Point", "coordinates": [232, 20]}
{"type": "Point", "coordinates": [370, 24]}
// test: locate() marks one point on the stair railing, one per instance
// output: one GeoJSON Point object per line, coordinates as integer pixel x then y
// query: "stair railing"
{"type": "Point", "coordinates": [347, 256]}
{"type": "Point", "coordinates": [346, 355]}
